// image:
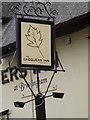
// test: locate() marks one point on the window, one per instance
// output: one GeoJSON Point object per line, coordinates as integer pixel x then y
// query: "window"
{"type": "Point", "coordinates": [4, 115]}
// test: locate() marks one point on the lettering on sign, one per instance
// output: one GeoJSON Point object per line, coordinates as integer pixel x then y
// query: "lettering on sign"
{"type": "Point", "coordinates": [22, 86]}
{"type": "Point", "coordinates": [27, 58]}
{"type": "Point", "coordinates": [13, 73]}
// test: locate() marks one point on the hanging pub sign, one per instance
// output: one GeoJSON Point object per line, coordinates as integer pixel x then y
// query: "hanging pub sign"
{"type": "Point", "coordinates": [35, 43]}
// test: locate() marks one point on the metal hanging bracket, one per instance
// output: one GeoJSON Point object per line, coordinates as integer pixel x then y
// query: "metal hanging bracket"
{"type": "Point", "coordinates": [34, 9]}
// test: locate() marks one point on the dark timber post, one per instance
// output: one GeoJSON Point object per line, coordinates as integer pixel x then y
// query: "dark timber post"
{"type": "Point", "coordinates": [40, 103]}
{"type": "Point", "coordinates": [40, 107]}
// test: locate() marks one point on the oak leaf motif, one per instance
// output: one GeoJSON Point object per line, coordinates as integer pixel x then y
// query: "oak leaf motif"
{"type": "Point", "coordinates": [34, 38]}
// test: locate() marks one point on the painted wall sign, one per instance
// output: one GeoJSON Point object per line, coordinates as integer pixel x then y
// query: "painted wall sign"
{"type": "Point", "coordinates": [35, 43]}
{"type": "Point", "coordinates": [22, 86]}
{"type": "Point", "coordinates": [13, 73]}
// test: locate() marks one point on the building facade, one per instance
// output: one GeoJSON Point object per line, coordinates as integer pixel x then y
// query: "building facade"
{"type": "Point", "coordinates": [72, 43]}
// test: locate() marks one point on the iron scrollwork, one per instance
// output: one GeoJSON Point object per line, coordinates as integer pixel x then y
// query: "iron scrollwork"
{"type": "Point", "coordinates": [16, 8]}
{"type": "Point", "coordinates": [38, 9]}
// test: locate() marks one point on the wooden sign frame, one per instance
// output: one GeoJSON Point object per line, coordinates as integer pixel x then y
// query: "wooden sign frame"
{"type": "Point", "coordinates": [35, 44]}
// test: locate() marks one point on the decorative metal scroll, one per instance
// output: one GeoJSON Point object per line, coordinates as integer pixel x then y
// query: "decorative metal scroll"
{"type": "Point", "coordinates": [16, 8]}
{"type": "Point", "coordinates": [38, 9]}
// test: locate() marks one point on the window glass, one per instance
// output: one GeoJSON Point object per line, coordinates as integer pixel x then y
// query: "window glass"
{"type": "Point", "coordinates": [4, 115]}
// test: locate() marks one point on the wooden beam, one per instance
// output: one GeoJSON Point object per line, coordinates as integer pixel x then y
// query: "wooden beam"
{"type": "Point", "coordinates": [72, 25]}
{"type": "Point", "coordinates": [5, 20]}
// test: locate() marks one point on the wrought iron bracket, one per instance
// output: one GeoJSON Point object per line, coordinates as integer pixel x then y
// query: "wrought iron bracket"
{"type": "Point", "coordinates": [35, 9]}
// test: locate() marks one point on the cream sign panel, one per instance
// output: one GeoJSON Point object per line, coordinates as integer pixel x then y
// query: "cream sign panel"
{"type": "Point", "coordinates": [35, 43]}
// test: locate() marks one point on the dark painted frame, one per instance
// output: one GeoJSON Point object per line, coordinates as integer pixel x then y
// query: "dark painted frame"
{"type": "Point", "coordinates": [18, 44]}
{"type": "Point", "coordinates": [6, 112]}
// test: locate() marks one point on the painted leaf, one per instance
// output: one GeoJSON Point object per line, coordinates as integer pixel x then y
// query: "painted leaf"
{"type": "Point", "coordinates": [34, 37]}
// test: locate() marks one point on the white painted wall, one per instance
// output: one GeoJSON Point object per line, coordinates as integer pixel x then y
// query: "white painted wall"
{"type": "Point", "coordinates": [74, 82]}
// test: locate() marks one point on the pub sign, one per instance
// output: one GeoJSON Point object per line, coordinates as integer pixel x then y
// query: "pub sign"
{"type": "Point", "coordinates": [35, 43]}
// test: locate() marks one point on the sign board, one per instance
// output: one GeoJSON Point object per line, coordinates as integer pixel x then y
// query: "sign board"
{"type": "Point", "coordinates": [35, 43]}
